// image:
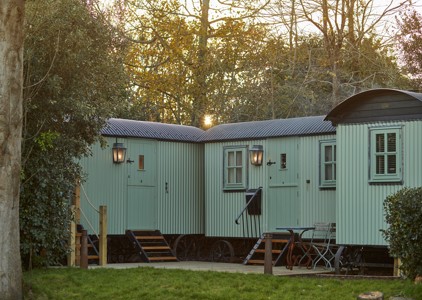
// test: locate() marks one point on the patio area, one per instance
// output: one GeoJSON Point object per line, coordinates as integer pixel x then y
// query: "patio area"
{"type": "Point", "coordinates": [218, 267]}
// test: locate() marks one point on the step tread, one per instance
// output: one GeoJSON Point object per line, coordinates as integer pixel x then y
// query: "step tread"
{"type": "Point", "coordinates": [150, 237]}
{"type": "Point", "coordinates": [156, 247]}
{"type": "Point", "coordinates": [263, 251]}
{"type": "Point", "coordinates": [162, 258]}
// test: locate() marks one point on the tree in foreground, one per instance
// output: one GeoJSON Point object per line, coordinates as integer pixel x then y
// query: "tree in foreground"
{"type": "Point", "coordinates": [11, 80]}
{"type": "Point", "coordinates": [403, 213]}
{"type": "Point", "coordinates": [74, 80]}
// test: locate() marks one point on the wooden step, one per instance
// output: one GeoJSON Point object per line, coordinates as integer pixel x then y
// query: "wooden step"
{"type": "Point", "coordinates": [162, 258]}
{"type": "Point", "coordinates": [156, 247]}
{"type": "Point", "coordinates": [93, 257]}
{"type": "Point", "coordinates": [275, 251]}
{"type": "Point", "coordinates": [277, 241]}
{"type": "Point", "coordinates": [150, 237]}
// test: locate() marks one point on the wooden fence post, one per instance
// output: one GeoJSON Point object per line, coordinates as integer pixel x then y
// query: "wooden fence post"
{"type": "Point", "coordinates": [397, 264]}
{"type": "Point", "coordinates": [268, 259]}
{"type": "Point", "coordinates": [71, 256]}
{"type": "Point", "coordinates": [84, 250]}
{"type": "Point", "coordinates": [103, 236]}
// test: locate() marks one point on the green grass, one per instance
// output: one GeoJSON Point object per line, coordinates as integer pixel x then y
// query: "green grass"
{"type": "Point", "coordinates": [149, 283]}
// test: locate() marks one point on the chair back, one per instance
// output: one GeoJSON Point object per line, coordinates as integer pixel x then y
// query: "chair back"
{"type": "Point", "coordinates": [323, 232]}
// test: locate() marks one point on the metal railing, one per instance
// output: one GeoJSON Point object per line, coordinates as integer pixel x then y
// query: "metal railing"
{"type": "Point", "coordinates": [250, 219]}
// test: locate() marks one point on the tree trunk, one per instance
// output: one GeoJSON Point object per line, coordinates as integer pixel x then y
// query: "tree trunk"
{"type": "Point", "coordinates": [200, 92]}
{"type": "Point", "coordinates": [11, 80]}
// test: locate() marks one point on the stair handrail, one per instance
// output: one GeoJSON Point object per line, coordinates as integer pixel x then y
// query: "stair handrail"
{"type": "Point", "coordinates": [247, 205]}
{"type": "Point", "coordinates": [83, 214]}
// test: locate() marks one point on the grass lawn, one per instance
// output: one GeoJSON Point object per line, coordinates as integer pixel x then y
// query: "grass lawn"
{"type": "Point", "coordinates": [149, 283]}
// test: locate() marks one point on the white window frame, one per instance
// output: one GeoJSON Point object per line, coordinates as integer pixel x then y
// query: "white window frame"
{"type": "Point", "coordinates": [325, 163]}
{"type": "Point", "coordinates": [235, 172]}
{"type": "Point", "coordinates": [375, 154]}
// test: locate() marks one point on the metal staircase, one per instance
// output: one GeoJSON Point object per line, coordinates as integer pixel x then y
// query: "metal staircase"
{"type": "Point", "coordinates": [151, 245]}
{"type": "Point", "coordinates": [280, 245]}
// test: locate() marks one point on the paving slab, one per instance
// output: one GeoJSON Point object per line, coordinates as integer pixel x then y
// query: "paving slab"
{"type": "Point", "coordinates": [218, 267]}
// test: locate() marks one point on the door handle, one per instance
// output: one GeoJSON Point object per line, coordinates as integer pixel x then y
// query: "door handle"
{"type": "Point", "coordinates": [167, 188]}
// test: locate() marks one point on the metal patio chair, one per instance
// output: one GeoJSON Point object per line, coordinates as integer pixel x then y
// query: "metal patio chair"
{"type": "Point", "coordinates": [322, 245]}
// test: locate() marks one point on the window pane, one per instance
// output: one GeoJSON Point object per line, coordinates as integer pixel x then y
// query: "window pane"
{"type": "Point", "coordinates": [328, 153]}
{"type": "Point", "coordinates": [238, 175]}
{"type": "Point", "coordinates": [238, 158]}
{"type": "Point", "coordinates": [329, 172]}
{"type": "Point", "coordinates": [391, 142]}
{"type": "Point", "coordinates": [380, 166]}
{"type": "Point", "coordinates": [230, 158]}
{"type": "Point", "coordinates": [391, 159]}
{"type": "Point", "coordinates": [283, 159]}
{"type": "Point", "coordinates": [141, 163]}
{"type": "Point", "coordinates": [379, 143]}
{"type": "Point", "coordinates": [335, 152]}
{"type": "Point", "coordinates": [231, 175]}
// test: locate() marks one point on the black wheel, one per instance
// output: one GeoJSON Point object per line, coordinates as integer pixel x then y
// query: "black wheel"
{"type": "Point", "coordinates": [222, 251]}
{"type": "Point", "coordinates": [348, 260]}
{"type": "Point", "coordinates": [185, 247]}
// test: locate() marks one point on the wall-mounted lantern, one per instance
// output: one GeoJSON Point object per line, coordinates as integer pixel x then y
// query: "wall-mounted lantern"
{"type": "Point", "coordinates": [256, 153]}
{"type": "Point", "coordinates": [119, 153]}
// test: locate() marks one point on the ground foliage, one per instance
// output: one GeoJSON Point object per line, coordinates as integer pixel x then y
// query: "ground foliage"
{"type": "Point", "coordinates": [74, 79]}
{"type": "Point", "coordinates": [403, 214]}
{"type": "Point", "coordinates": [149, 283]}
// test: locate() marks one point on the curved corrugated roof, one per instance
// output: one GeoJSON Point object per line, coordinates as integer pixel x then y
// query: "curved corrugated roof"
{"type": "Point", "coordinates": [151, 130]}
{"type": "Point", "coordinates": [337, 112]}
{"type": "Point", "coordinates": [270, 128]}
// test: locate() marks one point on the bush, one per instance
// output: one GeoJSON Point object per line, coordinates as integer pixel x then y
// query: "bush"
{"type": "Point", "coordinates": [403, 213]}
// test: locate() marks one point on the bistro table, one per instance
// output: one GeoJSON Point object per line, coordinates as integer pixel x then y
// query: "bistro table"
{"type": "Point", "coordinates": [294, 232]}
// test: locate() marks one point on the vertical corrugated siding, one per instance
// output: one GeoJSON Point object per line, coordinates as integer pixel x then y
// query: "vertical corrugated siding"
{"type": "Point", "coordinates": [316, 205]}
{"type": "Point", "coordinates": [360, 214]}
{"type": "Point", "coordinates": [106, 185]}
{"type": "Point", "coordinates": [180, 188]}
{"type": "Point", "coordinates": [223, 207]}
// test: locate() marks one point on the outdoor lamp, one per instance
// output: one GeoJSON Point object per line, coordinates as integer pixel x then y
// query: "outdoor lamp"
{"type": "Point", "coordinates": [119, 153]}
{"type": "Point", "coordinates": [256, 154]}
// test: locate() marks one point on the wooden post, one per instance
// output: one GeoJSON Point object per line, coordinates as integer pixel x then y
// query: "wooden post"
{"type": "Point", "coordinates": [268, 259]}
{"type": "Point", "coordinates": [103, 236]}
{"type": "Point", "coordinates": [71, 256]}
{"type": "Point", "coordinates": [77, 202]}
{"type": "Point", "coordinates": [84, 250]}
{"type": "Point", "coordinates": [397, 264]}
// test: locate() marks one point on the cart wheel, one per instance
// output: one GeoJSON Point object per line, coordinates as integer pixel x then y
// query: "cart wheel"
{"type": "Point", "coordinates": [184, 247]}
{"type": "Point", "coordinates": [222, 251]}
{"type": "Point", "coordinates": [348, 259]}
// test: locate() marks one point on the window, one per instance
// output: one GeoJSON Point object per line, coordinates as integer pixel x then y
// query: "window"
{"type": "Point", "coordinates": [385, 154]}
{"type": "Point", "coordinates": [328, 163]}
{"type": "Point", "coordinates": [141, 165]}
{"type": "Point", "coordinates": [235, 160]}
{"type": "Point", "coordinates": [283, 161]}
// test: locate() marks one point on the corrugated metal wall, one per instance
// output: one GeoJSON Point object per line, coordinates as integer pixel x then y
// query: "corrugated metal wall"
{"type": "Point", "coordinates": [178, 188]}
{"type": "Point", "coordinates": [312, 204]}
{"type": "Point", "coordinates": [181, 188]}
{"type": "Point", "coordinates": [222, 207]}
{"type": "Point", "coordinates": [316, 205]}
{"type": "Point", "coordinates": [360, 214]}
{"type": "Point", "coordinates": [106, 185]}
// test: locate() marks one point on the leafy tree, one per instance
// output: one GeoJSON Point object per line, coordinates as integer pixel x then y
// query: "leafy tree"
{"type": "Point", "coordinates": [173, 60]}
{"type": "Point", "coordinates": [403, 213]}
{"type": "Point", "coordinates": [11, 82]}
{"type": "Point", "coordinates": [74, 79]}
{"type": "Point", "coordinates": [409, 40]}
